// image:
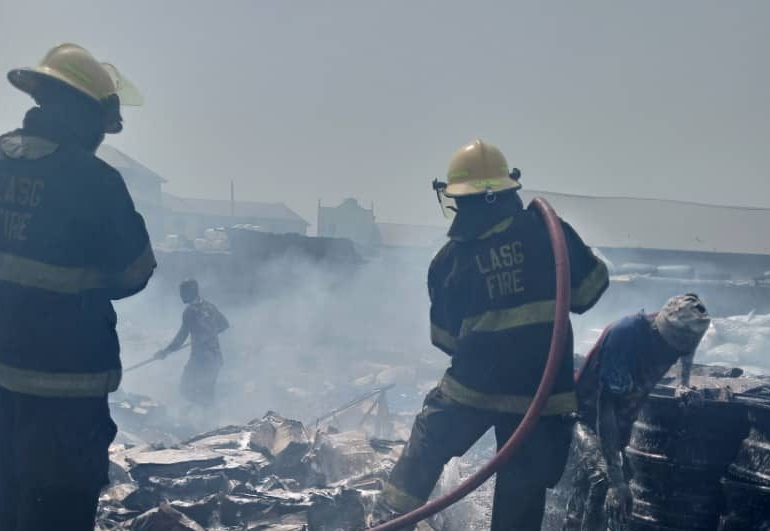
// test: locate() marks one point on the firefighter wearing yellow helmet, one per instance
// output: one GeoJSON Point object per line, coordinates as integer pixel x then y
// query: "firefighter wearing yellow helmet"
{"type": "Point", "coordinates": [70, 242]}
{"type": "Point", "coordinates": [492, 292]}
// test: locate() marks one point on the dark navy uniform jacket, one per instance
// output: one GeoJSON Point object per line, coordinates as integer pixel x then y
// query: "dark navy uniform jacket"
{"type": "Point", "coordinates": [70, 242]}
{"type": "Point", "coordinates": [492, 289]}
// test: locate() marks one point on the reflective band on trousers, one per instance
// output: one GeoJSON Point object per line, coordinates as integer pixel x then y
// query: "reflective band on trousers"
{"type": "Point", "coordinates": [398, 500]}
{"type": "Point", "coordinates": [540, 312]}
{"type": "Point", "coordinates": [59, 384]}
{"type": "Point", "coordinates": [558, 404]}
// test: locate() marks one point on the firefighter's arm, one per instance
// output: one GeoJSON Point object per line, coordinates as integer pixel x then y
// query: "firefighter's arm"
{"type": "Point", "coordinates": [685, 364]}
{"type": "Point", "coordinates": [179, 338]}
{"type": "Point", "coordinates": [127, 260]}
{"type": "Point", "coordinates": [441, 330]}
{"type": "Point", "coordinates": [589, 275]}
{"type": "Point", "coordinates": [616, 381]}
{"type": "Point", "coordinates": [609, 436]}
{"type": "Point", "coordinates": [222, 322]}
{"type": "Point", "coordinates": [618, 499]}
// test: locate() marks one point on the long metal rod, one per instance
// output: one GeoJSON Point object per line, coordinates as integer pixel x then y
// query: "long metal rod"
{"type": "Point", "coordinates": [151, 359]}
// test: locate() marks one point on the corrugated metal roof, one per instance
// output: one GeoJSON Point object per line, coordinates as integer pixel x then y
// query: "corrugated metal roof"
{"type": "Point", "coordinates": [633, 223]}
{"type": "Point", "coordinates": [662, 224]}
{"type": "Point", "coordinates": [222, 207]}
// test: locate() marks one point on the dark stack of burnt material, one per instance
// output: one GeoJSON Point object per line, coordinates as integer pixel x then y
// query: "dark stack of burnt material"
{"type": "Point", "coordinates": [747, 483]}
{"type": "Point", "coordinates": [266, 245]}
{"type": "Point", "coordinates": [679, 452]}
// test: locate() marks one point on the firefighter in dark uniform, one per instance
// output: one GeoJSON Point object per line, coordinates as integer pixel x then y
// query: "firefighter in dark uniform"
{"type": "Point", "coordinates": [202, 322]}
{"type": "Point", "coordinates": [492, 292]}
{"type": "Point", "coordinates": [70, 242]}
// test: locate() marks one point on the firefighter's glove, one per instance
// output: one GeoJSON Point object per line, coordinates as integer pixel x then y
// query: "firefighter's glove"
{"type": "Point", "coordinates": [161, 354]}
{"type": "Point", "coordinates": [617, 506]}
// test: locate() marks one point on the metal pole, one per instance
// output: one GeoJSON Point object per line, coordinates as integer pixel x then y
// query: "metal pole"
{"type": "Point", "coordinates": [232, 200]}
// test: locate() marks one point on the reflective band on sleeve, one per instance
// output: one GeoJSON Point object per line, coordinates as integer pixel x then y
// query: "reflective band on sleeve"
{"type": "Point", "coordinates": [442, 338]}
{"type": "Point", "coordinates": [398, 500]}
{"type": "Point", "coordinates": [558, 404]}
{"type": "Point", "coordinates": [591, 287]}
{"type": "Point", "coordinates": [140, 269]}
{"type": "Point", "coordinates": [59, 384]}
{"type": "Point", "coordinates": [503, 226]}
{"type": "Point", "coordinates": [540, 312]}
{"type": "Point", "coordinates": [34, 274]}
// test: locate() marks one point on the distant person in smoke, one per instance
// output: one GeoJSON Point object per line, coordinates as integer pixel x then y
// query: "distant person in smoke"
{"type": "Point", "coordinates": [621, 370]}
{"type": "Point", "coordinates": [202, 322]}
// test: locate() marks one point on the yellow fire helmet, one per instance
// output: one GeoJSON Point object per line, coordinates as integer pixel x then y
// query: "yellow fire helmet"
{"type": "Point", "coordinates": [477, 168]}
{"type": "Point", "coordinates": [75, 67]}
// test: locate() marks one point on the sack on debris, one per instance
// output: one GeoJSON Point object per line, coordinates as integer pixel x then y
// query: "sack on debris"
{"type": "Point", "coordinates": [342, 455]}
{"type": "Point", "coordinates": [274, 434]}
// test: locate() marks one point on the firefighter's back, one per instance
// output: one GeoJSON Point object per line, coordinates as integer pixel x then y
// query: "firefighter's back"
{"type": "Point", "coordinates": [506, 306]}
{"type": "Point", "coordinates": [56, 315]}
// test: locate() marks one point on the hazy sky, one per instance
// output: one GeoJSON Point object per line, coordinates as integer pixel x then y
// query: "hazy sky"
{"type": "Point", "coordinates": [301, 100]}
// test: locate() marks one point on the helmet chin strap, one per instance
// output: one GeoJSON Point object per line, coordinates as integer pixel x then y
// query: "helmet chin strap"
{"type": "Point", "coordinates": [490, 197]}
{"type": "Point", "coordinates": [113, 121]}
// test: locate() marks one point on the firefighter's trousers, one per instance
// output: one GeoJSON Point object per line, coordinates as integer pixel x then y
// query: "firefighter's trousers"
{"type": "Point", "coordinates": [446, 429]}
{"type": "Point", "coordinates": [53, 461]}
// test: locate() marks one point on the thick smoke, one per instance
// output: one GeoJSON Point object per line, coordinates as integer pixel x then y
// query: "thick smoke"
{"type": "Point", "coordinates": [313, 335]}
{"type": "Point", "coordinates": [310, 338]}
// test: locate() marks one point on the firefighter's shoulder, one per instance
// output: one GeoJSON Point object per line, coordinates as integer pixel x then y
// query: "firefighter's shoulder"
{"type": "Point", "coordinates": [443, 260]}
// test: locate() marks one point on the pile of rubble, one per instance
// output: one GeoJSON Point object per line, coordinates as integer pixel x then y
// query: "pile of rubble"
{"type": "Point", "coordinates": [270, 474]}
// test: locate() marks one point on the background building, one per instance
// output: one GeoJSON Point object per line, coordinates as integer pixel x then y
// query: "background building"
{"type": "Point", "coordinates": [169, 214]}
{"type": "Point", "coordinates": [190, 217]}
{"type": "Point", "coordinates": [713, 239]}
{"type": "Point", "coordinates": [348, 220]}
{"type": "Point", "coordinates": [351, 220]}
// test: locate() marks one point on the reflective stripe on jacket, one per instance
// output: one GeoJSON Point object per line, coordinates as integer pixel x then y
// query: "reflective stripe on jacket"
{"type": "Point", "coordinates": [59, 384]}
{"type": "Point", "coordinates": [558, 404]}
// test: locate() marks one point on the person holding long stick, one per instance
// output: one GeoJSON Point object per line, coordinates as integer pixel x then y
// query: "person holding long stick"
{"type": "Point", "coordinates": [202, 322]}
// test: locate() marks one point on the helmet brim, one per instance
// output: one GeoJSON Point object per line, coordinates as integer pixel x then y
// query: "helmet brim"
{"type": "Point", "coordinates": [501, 184]}
{"type": "Point", "coordinates": [26, 80]}
{"type": "Point", "coordinates": [33, 81]}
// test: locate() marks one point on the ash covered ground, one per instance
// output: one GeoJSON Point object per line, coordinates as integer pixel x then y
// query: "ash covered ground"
{"type": "Point", "coordinates": [281, 452]}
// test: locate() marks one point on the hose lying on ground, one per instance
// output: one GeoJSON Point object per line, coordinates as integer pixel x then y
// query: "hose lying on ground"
{"type": "Point", "coordinates": [528, 423]}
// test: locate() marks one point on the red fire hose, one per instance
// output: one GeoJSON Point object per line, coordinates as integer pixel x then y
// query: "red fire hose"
{"type": "Point", "coordinates": [555, 354]}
